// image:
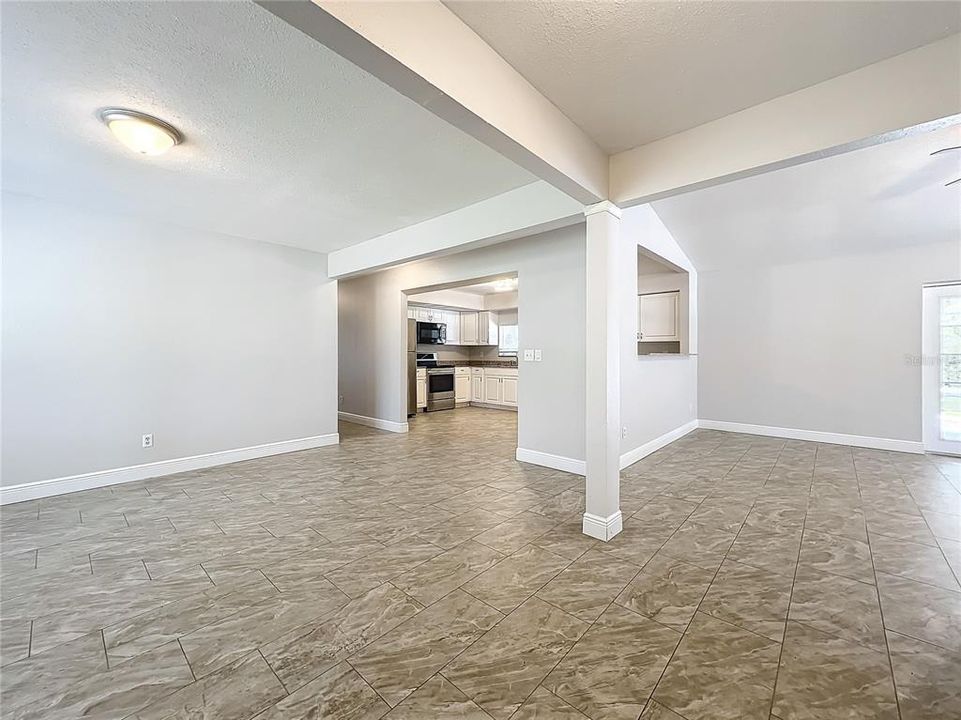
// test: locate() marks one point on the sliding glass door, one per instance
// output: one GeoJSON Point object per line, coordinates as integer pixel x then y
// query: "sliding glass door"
{"type": "Point", "coordinates": [941, 368]}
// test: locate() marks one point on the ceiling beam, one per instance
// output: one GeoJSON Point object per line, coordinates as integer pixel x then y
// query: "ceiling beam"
{"type": "Point", "coordinates": [425, 52]}
{"type": "Point", "coordinates": [917, 91]}
{"type": "Point", "coordinates": [527, 210]}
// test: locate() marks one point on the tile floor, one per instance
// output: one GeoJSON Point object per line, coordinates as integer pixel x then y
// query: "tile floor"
{"type": "Point", "coordinates": [431, 576]}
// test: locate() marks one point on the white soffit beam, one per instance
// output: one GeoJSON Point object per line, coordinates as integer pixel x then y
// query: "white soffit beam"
{"type": "Point", "coordinates": [425, 52]}
{"type": "Point", "coordinates": [528, 210]}
{"type": "Point", "coordinates": [914, 92]}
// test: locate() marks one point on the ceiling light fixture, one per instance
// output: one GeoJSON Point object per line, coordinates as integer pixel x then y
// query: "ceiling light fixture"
{"type": "Point", "coordinates": [142, 133]}
{"type": "Point", "coordinates": [937, 152]}
{"type": "Point", "coordinates": [505, 285]}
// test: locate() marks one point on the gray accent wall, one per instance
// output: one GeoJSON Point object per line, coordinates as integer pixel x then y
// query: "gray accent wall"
{"type": "Point", "coordinates": [115, 327]}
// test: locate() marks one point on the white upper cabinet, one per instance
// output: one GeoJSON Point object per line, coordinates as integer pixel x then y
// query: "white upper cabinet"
{"type": "Point", "coordinates": [468, 328]}
{"type": "Point", "coordinates": [486, 328]}
{"type": "Point", "coordinates": [658, 317]}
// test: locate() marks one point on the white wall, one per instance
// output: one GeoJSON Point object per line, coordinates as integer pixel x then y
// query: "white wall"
{"type": "Point", "coordinates": [551, 291]}
{"type": "Point", "coordinates": [821, 345]}
{"type": "Point", "coordinates": [114, 327]}
{"type": "Point", "coordinates": [658, 393]}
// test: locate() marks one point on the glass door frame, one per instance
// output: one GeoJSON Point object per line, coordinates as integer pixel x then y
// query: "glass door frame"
{"type": "Point", "coordinates": [931, 367]}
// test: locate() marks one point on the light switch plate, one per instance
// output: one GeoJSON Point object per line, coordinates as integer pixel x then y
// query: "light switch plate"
{"type": "Point", "coordinates": [537, 356]}
{"type": "Point", "coordinates": [528, 355]}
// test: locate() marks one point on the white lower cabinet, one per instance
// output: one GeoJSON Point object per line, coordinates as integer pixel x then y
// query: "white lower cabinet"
{"type": "Point", "coordinates": [493, 393]}
{"type": "Point", "coordinates": [494, 386]}
{"type": "Point", "coordinates": [477, 385]}
{"type": "Point", "coordinates": [421, 387]}
{"type": "Point", "coordinates": [509, 390]}
{"type": "Point", "coordinates": [462, 383]}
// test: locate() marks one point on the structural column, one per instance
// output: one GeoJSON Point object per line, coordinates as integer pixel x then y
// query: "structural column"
{"type": "Point", "coordinates": [602, 518]}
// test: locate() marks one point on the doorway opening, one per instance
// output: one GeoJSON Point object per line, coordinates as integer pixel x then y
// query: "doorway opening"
{"type": "Point", "coordinates": [462, 356]}
{"type": "Point", "coordinates": [941, 368]}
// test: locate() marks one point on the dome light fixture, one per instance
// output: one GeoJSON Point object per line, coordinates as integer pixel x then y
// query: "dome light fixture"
{"type": "Point", "coordinates": [505, 285]}
{"type": "Point", "coordinates": [938, 152]}
{"type": "Point", "coordinates": [142, 133]}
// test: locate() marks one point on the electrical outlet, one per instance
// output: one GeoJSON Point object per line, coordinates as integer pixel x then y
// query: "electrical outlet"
{"type": "Point", "coordinates": [537, 356]}
{"type": "Point", "coordinates": [624, 431]}
{"type": "Point", "coordinates": [147, 440]}
{"type": "Point", "coordinates": [528, 355]}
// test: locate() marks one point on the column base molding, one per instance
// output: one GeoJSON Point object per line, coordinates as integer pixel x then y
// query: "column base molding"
{"type": "Point", "coordinates": [602, 528]}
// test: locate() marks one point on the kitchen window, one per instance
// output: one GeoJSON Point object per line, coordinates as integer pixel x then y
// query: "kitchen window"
{"type": "Point", "coordinates": [507, 341]}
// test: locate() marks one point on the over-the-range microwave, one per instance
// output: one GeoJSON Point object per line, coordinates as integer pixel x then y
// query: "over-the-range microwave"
{"type": "Point", "coordinates": [431, 333]}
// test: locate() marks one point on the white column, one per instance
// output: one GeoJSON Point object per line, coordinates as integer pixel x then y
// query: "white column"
{"type": "Point", "coordinates": [602, 518]}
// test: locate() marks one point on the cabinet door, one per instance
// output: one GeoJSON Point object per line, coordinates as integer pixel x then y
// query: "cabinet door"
{"type": "Point", "coordinates": [452, 320]}
{"type": "Point", "coordinates": [509, 389]}
{"type": "Point", "coordinates": [421, 392]}
{"type": "Point", "coordinates": [486, 328]}
{"type": "Point", "coordinates": [493, 391]}
{"type": "Point", "coordinates": [462, 388]}
{"type": "Point", "coordinates": [658, 317]}
{"type": "Point", "coordinates": [468, 328]}
{"type": "Point", "coordinates": [477, 388]}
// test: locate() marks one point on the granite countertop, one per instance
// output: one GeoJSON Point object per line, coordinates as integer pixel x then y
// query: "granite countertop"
{"type": "Point", "coordinates": [506, 363]}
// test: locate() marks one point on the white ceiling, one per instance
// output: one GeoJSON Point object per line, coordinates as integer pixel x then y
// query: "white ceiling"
{"type": "Point", "coordinates": [286, 142]}
{"type": "Point", "coordinates": [882, 197]}
{"type": "Point", "coordinates": [631, 72]}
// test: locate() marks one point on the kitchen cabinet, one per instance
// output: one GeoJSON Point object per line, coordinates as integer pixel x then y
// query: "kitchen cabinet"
{"type": "Point", "coordinates": [421, 387]}
{"type": "Point", "coordinates": [420, 314]}
{"type": "Point", "coordinates": [493, 393]}
{"type": "Point", "coordinates": [477, 385]}
{"type": "Point", "coordinates": [478, 328]}
{"type": "Point", "coordinates": [451, 318]}
{"type": "Point", "coordinates": [486, 328]}
{"type": "Point", "coordinates": [462, 385]}
{"type": "Point", "coordinates": [494, 386]}
{"type": "Point", "coordinates": [468, 328]}
{"type": "Point", "coordinates": [509, 390]}
{"type": "Point", "coordinates": [658, 317]}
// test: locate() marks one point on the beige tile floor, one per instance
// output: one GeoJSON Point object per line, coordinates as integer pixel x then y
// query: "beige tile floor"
{"type": "Point", "coordinates": [430, 575]}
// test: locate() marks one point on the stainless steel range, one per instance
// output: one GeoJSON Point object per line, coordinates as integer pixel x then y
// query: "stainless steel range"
{"type": "Point", "coordinates": [440, 383]}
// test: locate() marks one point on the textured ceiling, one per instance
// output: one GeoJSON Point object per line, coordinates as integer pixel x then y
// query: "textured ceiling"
{"type": "Point", "coordinates": [286, 141]}
{"type": "Point", "coordinates": [631, 72]}
{"type": "Point", "coordinates": [883, 197]}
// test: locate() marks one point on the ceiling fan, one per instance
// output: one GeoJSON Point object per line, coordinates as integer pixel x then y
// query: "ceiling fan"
{"type": "Point", "coordinates": [938, 152]}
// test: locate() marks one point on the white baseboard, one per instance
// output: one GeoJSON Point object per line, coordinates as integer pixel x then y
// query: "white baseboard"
{"type": "Point", "coordinates": [102, 478]}
{"type": "Point", "coordinates": [863, 441]}
{"type": "Point", "coordinates": [642, 451]}
{"type": "Point", "coordinates": [556, 462]}
{"type": "Point", "coordinates": [377, 423]}
{"type": "Point", "coordinates": [602, 528]}
{"type": "Point", "coordinates": [493, 406]}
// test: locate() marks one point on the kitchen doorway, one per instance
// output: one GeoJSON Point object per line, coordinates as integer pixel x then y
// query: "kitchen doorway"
{"type": "Point", "coordinates": [941, 368]}
{"type": "Point", "coordinates": [462, 356]}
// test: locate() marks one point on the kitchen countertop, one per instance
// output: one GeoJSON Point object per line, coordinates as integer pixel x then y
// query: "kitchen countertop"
{"type": "Point", "coordinates": [477, 363]}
